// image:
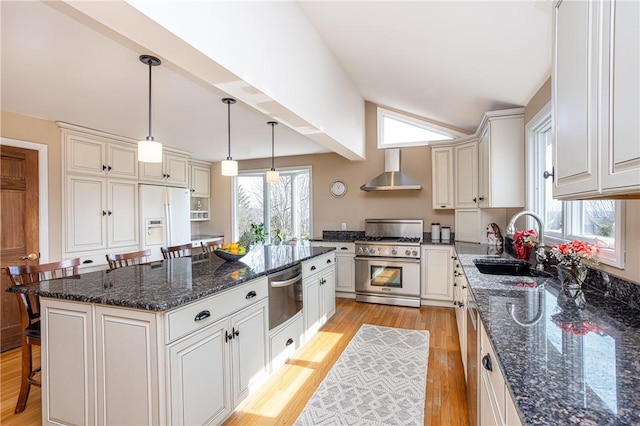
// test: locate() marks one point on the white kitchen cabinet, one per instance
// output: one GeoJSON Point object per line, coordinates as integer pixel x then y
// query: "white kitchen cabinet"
{"type": "Point", "coordinates": [437, 273]}
{"type": "Point", "coordinates": [442, 177]}
{"type": "Point", "coordinates": [249, 349]}
{"type": "Point", "coordinates": [596, 97]}
{"type": "Point", "coordinates": [466, 175]}
{"type": "Point", "coordinates": [318, 286]}
{"type": "Point", "coordinates": [501, 159]}
{"type": "Point", "coordinates": [496, 404]}
{"type": "Point", "coordinates": [127, 369]}
{"type": "Point", "coordinates": [200, 180]}
{"type": "Point", "coordinates": [200, 377]}
{"type": "Point", "coordinates": [285, 340]}
{"type": "Point", "coordinates": [97, 155]}
{"type": "Point", "coordinates": [67, 340]}
{"type": "Point", "coordinates": [191, 365]}
{"type": "Point", "coordinates": [100, 213]}
{"type": "Point", "coordinates": [174, 170]}
{"type": "Point", "coordinates": [345, 266]}
{"type": "Point", "coordinates": [460, 289]}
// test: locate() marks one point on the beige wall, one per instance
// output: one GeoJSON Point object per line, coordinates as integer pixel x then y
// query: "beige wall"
{"type": "Point", "coordinates": [540, 99]}
{"type": "Point", "coordinates": [30, 129]}
{"type": "Point", "coordinates": [356, 205]}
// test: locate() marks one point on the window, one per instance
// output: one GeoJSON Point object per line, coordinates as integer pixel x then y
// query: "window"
{"type": "Point", "coordinates": [598, 222]}
{"type": "Point", "coordinates": [399, 130]}
{"type": "Point", "coordinates": [284, 207]}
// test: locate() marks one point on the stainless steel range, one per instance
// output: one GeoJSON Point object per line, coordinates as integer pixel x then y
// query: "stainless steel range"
{"type": "Point", "coordinates": [388, 262]}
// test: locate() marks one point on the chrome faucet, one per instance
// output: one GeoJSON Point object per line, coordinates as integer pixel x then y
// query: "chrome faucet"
{"type": "Point", "coordinates": [540, 254]}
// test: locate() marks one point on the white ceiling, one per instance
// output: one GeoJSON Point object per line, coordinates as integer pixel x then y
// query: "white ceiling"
{"type": "Point", "coordinates": [448, 61]}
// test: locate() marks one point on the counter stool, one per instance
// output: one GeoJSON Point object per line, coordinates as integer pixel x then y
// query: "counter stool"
{"type": "Point", "coordinates": [210, 246]}
{"type": "Point", "coordinates": [176, 251]}
{"type": "Point", "coordinates": [30, 315]}
{"type": "Point", "coordinates": [120, 260]}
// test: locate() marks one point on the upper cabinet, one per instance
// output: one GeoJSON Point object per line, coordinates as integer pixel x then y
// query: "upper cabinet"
{"type": "Point", "coordinates": [466, 175]}
{"type": "Point", "coordinates": [200, 181]}
{"type": "Point", "coordinates": [173, 170]}
{"type": "Point", "coordinates": [501, 159]}
{"type": "Point", "coordinates": [596, 96]}
{"type": "Point", "coordinates": [442, 177]}
{"type": "Point", "coordinates": [95, 155]}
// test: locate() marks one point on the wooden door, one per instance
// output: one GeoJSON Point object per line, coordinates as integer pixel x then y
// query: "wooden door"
{"type": "Point", "coordinates": [19, 223]}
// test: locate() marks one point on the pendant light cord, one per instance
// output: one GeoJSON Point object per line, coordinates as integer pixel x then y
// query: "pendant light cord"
{"type": "Point", "coordinates": [272, 148]}
{"type": "Point", "coordinates": [229, 129]}
{"type": "Point", "coordinates": [150, 137]}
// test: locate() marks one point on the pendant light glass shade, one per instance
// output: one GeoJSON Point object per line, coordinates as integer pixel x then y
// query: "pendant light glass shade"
{"type": "Point", "coordinates": [149, 151]}
{"type": "Point", "coordinates": [229, 167]}
{"type": "Point", "coordinates": [272, 175]}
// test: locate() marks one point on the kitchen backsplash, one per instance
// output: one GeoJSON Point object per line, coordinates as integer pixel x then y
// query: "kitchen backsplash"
{"type": "Point", "coordinates": [342, 235]}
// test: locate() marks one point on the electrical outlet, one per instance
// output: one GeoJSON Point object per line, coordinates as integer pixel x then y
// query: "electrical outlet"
{"type": "Point", "coordinates": [344, 226]}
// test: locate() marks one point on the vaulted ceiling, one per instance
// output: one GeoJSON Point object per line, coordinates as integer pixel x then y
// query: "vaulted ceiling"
{"type": "Point", "coordinates": [447, 61]}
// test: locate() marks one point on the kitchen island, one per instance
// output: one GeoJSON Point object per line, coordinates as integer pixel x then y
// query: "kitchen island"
{"type": "Point", "coordinates": [562, 363]}
{"type": "Point", "coordinates": [179, 341]}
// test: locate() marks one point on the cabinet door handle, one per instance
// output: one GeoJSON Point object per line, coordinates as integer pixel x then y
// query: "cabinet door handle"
{"type": "Point", "coordinates": [313, 268]}
{"type": "Point", "coordinates": [104, 167]}
{"type": "Point", "coordinates": [109, 212]}
{"type": "Point", "coordinates": [227, 336]}
{"type": "Point", "coordinates": [109, 168]}
{"type": "Point", "coordinates": [481, 198]}
{"type": "Point", "coordinates": [289, 342]}
{"type": "Point", "coordinates": [251, 295]}
{"type": "Point", "coordinates": [104, 213]}
{"type": "Point", "coordinates": [168, 176]}
{"type": "Point", "coordinates": [548, 175]}
{"type": "Point", "coordinates": [486, 362]}
{"type": "Point", "coordinates": [202, 315]}
{"type": "Point", "coordinates": [475, 199]}
{"type": "Point", "coordinates": [235, 332]}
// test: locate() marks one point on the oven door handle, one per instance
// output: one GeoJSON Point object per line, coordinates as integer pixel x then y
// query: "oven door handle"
{"type": "Point", "coordinates": [285, 283]}
{"type": "Point", "coordinates": [388, 259]}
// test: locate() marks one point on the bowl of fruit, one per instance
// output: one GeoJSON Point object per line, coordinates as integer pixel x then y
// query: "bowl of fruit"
{"type": "Point", "coordinates": [231, 252]}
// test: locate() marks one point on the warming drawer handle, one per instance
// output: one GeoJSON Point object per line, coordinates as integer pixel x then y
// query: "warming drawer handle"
{"type": "Point", "coordinates": [285, 283]}
{"type": "Point", "coordinates": [486, 362]}
{"type": "Point", "coordinates": [289, 342]}
{"type": "Point", "coordinates": [251, 295]}
{"type": "Point", "coordinates": [202, 315]}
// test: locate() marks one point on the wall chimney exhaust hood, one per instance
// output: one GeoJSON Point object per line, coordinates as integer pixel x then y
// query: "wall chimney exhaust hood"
{"type": "Point", "coordinates": [392, 179]}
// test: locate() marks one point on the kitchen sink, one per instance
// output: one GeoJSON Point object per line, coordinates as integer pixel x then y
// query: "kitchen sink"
{"type": "Point", "coordinates": [502, 266]}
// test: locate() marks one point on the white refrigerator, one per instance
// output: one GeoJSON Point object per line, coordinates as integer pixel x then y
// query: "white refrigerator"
{"type": "Point", "coordinates": [164, 217]}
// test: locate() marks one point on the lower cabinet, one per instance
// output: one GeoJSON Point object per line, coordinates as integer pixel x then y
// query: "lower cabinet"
{"type": "Point", "coordinates": [191, 365]}
{"type": "Point", "coordinates": [437, 273]}
{"type": "Point", "coordinates": [496, 405]}
{"type": "Point", "coordinates": [284, 341]}
{"type": "Point", "coordinates": [319, 292]}
{"type": "Point", "coordinates": [460, 304]}
{"type": "Point", "coordinates": [345, 266]}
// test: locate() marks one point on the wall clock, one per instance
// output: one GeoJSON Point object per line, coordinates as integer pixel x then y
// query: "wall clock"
{"type": "Point", "coordinates": [338, 188]}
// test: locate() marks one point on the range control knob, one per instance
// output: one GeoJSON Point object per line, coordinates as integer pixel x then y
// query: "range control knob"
{"type": "Point", "coordinates": [407, 252]}
{"type": "Point", "coordinates": [394, 251]}
{"type": "Point", "coordinates": [414, 253]}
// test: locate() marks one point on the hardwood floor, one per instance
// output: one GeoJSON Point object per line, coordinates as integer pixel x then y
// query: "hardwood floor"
{"type": "Point", "coordinates": [285, 394]}
{"type": "Point", "coordinates": [282, 398]}
{"type": "Point", "coordinates": [10, 364]}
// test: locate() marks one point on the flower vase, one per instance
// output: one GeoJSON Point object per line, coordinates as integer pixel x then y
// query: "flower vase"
{"type": "Point", "coordinates": [572, 277]}
{"type": "Point", "coordinates": [523, 252]}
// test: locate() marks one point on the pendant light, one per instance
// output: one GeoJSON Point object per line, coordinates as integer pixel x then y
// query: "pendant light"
{"type": "Point", "coordinates": [272, 175]}
{"type": "Point", "coordinates": [149, 151]}
{"type": "Point", "coordinates": [228, 166]}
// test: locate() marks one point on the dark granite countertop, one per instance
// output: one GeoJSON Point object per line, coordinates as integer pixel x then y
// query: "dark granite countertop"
{"type": "Point", "coordinates": [167, 284]}
{"type": "Point", "coordinates": [563, 364]}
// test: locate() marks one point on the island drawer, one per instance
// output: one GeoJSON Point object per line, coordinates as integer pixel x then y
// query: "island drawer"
{"type": "Point", "coordinates": [196, 315]}
{"type": "Point", "coordinates": [317, 264]}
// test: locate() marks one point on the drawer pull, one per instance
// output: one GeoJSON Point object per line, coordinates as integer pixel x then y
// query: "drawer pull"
{"type": "Point", "coordinates": [86, 262]}
{"type": "Point", "coordinates": [328, 260]}
{"type": "Point", "coordinates": [486, 362]}
{"type": "Point", "coordinates": [202, 315]}
{"type": "Point", "coordinates": [289, 342]}
{"type": "Point", "coordinates": [313, 268]}
{"type": "Point", "coordinates": [251, 295]}
{"type": "Point", "coordinates": [344, 248]}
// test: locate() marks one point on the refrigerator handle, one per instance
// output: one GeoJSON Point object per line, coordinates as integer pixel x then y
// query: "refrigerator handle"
{"type": "Point", "coordinates": [167, 212]}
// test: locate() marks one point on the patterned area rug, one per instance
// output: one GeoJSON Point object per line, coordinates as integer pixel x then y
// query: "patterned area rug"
{"type": "Point", "coordinates": [380, 379]}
